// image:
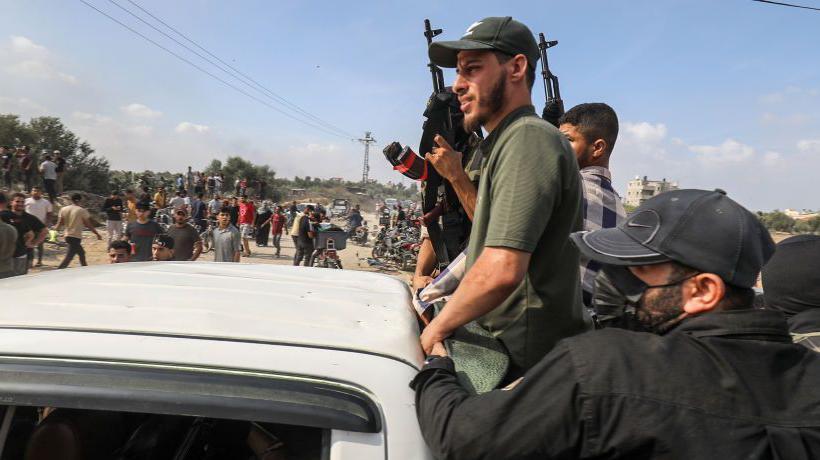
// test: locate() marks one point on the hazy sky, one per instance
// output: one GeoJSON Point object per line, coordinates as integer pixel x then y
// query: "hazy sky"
{"type": "Point", "coordinates": [709, 93]}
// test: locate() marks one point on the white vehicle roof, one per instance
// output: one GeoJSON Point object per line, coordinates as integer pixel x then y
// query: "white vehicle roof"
{"type": "Point", "coordinates": [284, 305]}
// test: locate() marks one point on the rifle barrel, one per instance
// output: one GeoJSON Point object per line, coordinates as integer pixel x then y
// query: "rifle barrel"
{"type": "Point", "coordinates": [435, 71]}
{"type": "Point", "coordinates": [550, 81]}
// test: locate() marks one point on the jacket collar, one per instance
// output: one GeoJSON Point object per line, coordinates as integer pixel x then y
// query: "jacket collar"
{"type": "Point", "coordinates": [763, 325]}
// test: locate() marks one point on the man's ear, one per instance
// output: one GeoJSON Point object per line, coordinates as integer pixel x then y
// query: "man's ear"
{"type": "Point", "coordinates": [519, 68]}
{"type": "Point", "coordinates": [702, 293]}
{"type": "Point", "coordinates": [599, 149]}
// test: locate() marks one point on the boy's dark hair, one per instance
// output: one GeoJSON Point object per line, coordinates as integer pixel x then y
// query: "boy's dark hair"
{"type": "Point", "coordinates": [164, 240]}
{"type": "Point", "coordinates": [595, 120]}
{"type": "Point", "coordinates": [18, 195]}
{"type": "Point", "coordinates": [76, 197]}
{"type": "Point", "coordinates": [120, 244]}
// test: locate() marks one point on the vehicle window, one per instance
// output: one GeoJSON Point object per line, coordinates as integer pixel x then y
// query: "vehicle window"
{"type": "Point", "coordinates": [188, 407]}
{"type": "Point", "coordinates": [56, 433]}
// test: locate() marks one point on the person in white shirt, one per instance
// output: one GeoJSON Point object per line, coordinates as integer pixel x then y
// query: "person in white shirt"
{"type": "Point", "coordinates": [180, 201]}
{"type": "Point", "coordinates": [219, 179]}
{"type": "Point", "coordinates": [43, 210]}
{"type": "Point", "coordinates": [49, 171]}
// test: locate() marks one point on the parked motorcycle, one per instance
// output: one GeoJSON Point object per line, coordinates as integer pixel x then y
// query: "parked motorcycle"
{"type": "Point", "coordinates": [399, 246]}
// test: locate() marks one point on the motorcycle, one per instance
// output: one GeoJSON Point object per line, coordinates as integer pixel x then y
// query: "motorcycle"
{"type": "Point", "coordinates": [359, 234]}
{"type": "Point", "coordinates": [398, 246]}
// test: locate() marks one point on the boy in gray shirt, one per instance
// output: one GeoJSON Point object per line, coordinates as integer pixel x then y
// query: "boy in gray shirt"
{"type": "Point", "coordinates": [226, 239]}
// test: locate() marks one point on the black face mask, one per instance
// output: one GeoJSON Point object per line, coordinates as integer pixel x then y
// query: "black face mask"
{"type": "Point", "coordinates": [626, 295]}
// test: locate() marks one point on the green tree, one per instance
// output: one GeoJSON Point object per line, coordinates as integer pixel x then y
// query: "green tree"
{"type": "Point", "coordinates": [13, 132]}
{"type": "Point", "coordinates": [214, 167]}
{"type": "Point", "coordinates": [239, 168]}
{"type": "Point", "coordinates": [777, 221]}
{"type": "Point", "coordinates": [808, 226]}
{"type": "Point", "coordinates": [86, 171]}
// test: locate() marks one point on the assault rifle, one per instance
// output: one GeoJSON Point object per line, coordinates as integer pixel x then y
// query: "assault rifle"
{"type": "Point", "coordinates": [436, 73]}
{"type": "Point", "coordinates": [438, 113]}
{"type": "Point", "coordinates": [554, 106]}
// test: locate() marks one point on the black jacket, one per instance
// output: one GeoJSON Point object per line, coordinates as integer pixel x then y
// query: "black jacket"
{"type": "Point", "coordinates": [723, 385]}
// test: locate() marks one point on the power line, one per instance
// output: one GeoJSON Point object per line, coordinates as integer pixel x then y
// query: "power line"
{"type": "Point", "coordinates": [226, 83]}
{"type": "Point", "coordinates": [256, 86]}
{"type": "Point", "coordinates": [788, 4]}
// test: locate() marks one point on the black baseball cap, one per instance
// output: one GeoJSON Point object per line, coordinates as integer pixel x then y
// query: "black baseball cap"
{"type": "Point", "coordinates": [503, 34]}
{"type": "Point", "coordinates": [705, 230]}
{"type": "Point", "coordinates": [143, 205]}
{"type": "Point", "coordinates": [164, 241]}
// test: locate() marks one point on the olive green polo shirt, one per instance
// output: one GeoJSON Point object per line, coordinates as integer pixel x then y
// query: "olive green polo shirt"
{"type": "Point", "coordinates": [529, 199]}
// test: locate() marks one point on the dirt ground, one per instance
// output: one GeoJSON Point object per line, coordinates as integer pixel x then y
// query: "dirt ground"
{"type": "Point", "coordinates": [354, 257]}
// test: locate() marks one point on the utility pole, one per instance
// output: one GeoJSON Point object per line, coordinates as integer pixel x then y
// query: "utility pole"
{"type": "Point", "coordinates": [366, 140]}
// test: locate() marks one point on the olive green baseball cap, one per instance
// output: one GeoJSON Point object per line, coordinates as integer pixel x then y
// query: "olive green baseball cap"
{"type": "Point", "coordinates": [503, 34]}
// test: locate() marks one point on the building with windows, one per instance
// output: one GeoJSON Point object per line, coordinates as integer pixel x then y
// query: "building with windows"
{"type": "Point", "coordinates": [641, 189]}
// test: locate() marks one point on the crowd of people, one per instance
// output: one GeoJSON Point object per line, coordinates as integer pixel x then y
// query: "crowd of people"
{"type": "Point", "coordinates": [20, 172]}
{"type": "Point", "coordinates": [158, 225]}
{"type": "Point", "coordinates": [213, 184]}
{"type": "Point", "coordinates": [140, 227]}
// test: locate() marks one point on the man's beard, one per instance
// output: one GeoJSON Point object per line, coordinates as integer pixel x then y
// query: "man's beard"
{"type": "Point", "coordinates": [491, 106]}
{"type": "Point", "coordinates": [663, 312]}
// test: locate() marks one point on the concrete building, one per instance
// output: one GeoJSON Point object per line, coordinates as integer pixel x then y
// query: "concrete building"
{"type": "Point", "coordinates": [640, 189]}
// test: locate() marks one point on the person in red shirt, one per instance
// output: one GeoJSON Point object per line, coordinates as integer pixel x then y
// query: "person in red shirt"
{"type": "Point", "coordinates": [277, 227]}
{"type": "Point", "coordinates": [247, 217]}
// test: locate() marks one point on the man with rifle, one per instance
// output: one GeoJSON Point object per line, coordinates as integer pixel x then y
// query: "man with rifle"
{"type": "Point", "coordinates": [522, 281]}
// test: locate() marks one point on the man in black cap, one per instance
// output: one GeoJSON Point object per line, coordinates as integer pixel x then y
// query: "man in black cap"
{"type": "Point", "coordinates": [162, 249]}
{"type": "Point", "coordinates": [791, 285]}
{"type": "Point", "coordinates": [710, 378]}
{"type": "Point", "coordinates": [522, 278]}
